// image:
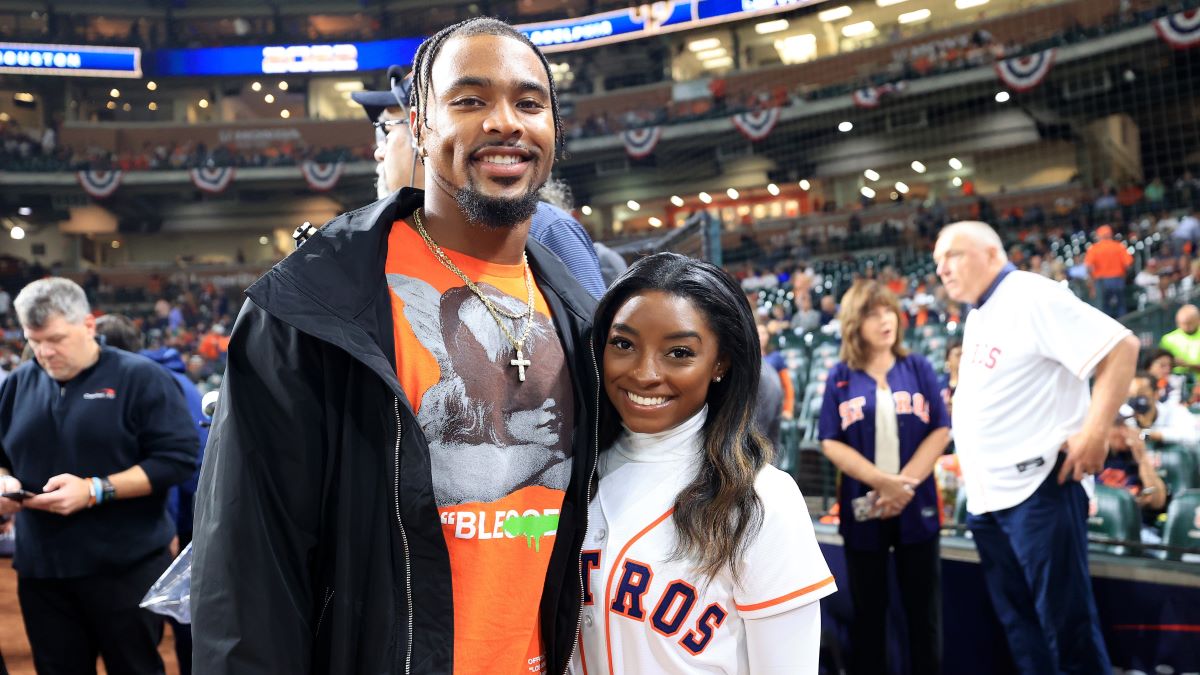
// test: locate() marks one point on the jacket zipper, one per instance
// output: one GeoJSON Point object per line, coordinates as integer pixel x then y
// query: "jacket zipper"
{"type": "Point", "coordinates": [404, 540]}
{"type": "Point", "coordinates": [321, 619]}
{"type": "Point", "coordinates": [587, 504]}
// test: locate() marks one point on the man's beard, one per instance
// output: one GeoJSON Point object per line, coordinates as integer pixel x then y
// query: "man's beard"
{"type": "Point", "coordinates": [496, 212]}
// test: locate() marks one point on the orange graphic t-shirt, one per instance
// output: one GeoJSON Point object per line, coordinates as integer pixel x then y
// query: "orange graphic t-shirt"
{"type": "Point", "coordinates": [500, 448]}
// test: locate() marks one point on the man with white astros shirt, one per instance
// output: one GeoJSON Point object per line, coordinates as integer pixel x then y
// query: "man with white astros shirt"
{"type": "Point", "coordinates": [1029, 437]}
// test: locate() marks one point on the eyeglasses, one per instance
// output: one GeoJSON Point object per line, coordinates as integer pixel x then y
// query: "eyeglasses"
{"type": "Point", "coordinates": [383, 128]}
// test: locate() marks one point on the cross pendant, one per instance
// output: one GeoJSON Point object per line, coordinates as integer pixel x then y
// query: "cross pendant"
{"type": "Point", "coordinates": [521, 363]}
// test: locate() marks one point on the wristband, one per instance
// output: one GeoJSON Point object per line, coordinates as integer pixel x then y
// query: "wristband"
{"type": "Point", "coordinates": [97, 493]}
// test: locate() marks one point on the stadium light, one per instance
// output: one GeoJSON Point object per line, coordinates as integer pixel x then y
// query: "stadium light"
{"type": "Point", "coordinates": [805, 185]}
{"type": "Point", "coordinates": [918, 167]}
{"type": "Point", "coordinates": [586, 210]}
{"type": "Point", "coordinates": [733, 194]}
{"type": "Point", "coordinates": [845, 127]}
{"type": "Point", "coordinates": [655, 222]}
{"type": "Point", "coordinates": [708, 54]}
{"type": "Point", "coordinates": [25, 97]}
{"type": "Point", "coordinates": [17, 232]}
{"type": "Point", "coordinates": [705, 197]}
{"type": "Point", "coordinates": [256, 86]}
{"type": "Point", "coordinates": [633, 206]}
{"type": "Point", "coordinates": [797, 48]}
{"type": "Point", "coordinates": [203, 103]}
{"type": "Point", "coordinates": [902, 188]}
{"type": "Point", "coordinates": [888, 3]}
{"type": "Point", "coordinates": [152, 85]}
{"type": "Point", "coordinates": [956, 182]}
{"type": "Point", "coordinates": [4, 117]}
{"type": "Point", "coordinates": [126, 107]}
{"type": "Point", "coordinates": [835, 13]}
{"type": "Point", "coordinates": [1002, 97]}
{"type": "Point", "coordinates": [677, 201]}
{"type": "Point", "coordinates": [269, 98]}
{"type": "Point", "coordinates": [25, 211]}
{"type": "Point", "coordinates": [285, 113]}
{"type": "Point", "coordinates": [283, 85]}
{"type": "Point", "coordinates": [115, 244]}
{"type": "Point", "coordinates": [867, 192]}
{"type": "Point", "coordinates": [915, 16]}
{"type": "Point", "coordinates": [706, 43]}
{"type": "Point", "coordinates": [955, 163]}
{"type": "Point", "coordinates": [871, 174]}
{"type": "Point", "coordinates": [860, 29]}
{"type": "Point", "coordinates": [723, 62]}
{"type": "Point", "coordinates": [968, 4]}
{"type": "Point", "coordinates": [263, 241]}
{"type": "Point", "coordinates": [768, 27]}
{"type": "Point", "coordinates": [773, 189]}
{"type": "Point", "coordinates": [111, 105]}
{"type": "Point", "coordinates": [152, 105]}
{"type": "Point", "coordinates": [115, 93]}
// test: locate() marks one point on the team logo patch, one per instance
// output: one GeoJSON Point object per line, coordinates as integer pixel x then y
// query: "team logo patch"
{"type": "Point", "coordinates": [212, 179]}
{"type": "Point", "coordinates": [1180, 30]}
{"type": "Point", "coordinates": [106, 393]}
{"type": "Point", "coordinates": [756, 125]}
{"type": "Point", "coordinates": [322, 176]}
{"type": "Point", "coordinates": [640, 143]}
{"type": "Point", "coordinates": [1024, 73]}
{"type": "Point", "coordinates": [99, 184]}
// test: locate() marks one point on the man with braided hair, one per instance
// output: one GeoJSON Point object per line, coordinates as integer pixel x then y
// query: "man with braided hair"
{"type": "Point", "coordinates": [400, 459]}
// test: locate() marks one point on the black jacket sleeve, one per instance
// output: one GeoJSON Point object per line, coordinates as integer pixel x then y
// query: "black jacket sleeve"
{"type": "Point", "coordinates": [257, 505]}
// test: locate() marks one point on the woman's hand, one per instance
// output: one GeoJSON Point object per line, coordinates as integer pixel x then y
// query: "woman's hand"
{"type": "Point", "coordinates": [895, 492]}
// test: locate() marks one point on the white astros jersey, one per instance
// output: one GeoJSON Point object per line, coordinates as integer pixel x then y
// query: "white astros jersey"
{"type": "Point", "coordinates": [1028, 353]}
{"type": "Point", "coordinates": [645, 613]}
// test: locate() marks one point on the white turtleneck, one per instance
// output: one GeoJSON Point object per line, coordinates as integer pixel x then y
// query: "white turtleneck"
{"type": "Point", "coordinates": [640, 477]}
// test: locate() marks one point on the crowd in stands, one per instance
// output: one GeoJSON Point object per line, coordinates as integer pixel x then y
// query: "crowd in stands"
{"type": "Point", "coordinates": [22, 151]}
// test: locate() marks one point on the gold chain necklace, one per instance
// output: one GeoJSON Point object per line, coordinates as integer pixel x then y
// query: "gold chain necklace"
{"type": "Point", "coordinates": [521, 363]}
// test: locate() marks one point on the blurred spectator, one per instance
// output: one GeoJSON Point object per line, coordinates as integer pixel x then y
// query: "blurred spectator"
{"type": "Point", "coordinates": [828, 310]}
{"type": "Point", "coordinates": [1130, 467]}
{"type": "Point", "coordinates": [1150, 283]}
{"type": "Point", "coordinates": [1161, 422]}
{"type": "Point", "coordinates": [1169, 386]}
{"type": "Point", "coordinates": [1107, 262]}
{"type": "Point", "coordinates": [768, 413]}
{"type": "Point", "coordinates": [84, 562]}
{"type": "Point", "coordinates": [883, 425]}
{"type": "Point", "coordinates": [1184, 341]}
{"type": "Point", "coordinates": [806, 319]}
{"type": "Point", "coordinates": [949, 380]}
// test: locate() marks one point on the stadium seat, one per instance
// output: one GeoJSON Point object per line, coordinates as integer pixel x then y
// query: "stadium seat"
{"type": "Point", "coordinates": [825, 350]}
{"type": "Point", "coordinates": [1176, 466]}
{"type": "Point", "coordinates": [1183, 523]}
{"type": "Point", "coordinates": [789, 446]}
{"type": "Point", "coordinates": [1113, 514]}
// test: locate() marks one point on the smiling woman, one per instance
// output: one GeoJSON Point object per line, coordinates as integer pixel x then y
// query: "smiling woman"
{"type": "Point", "coordinates": [723, 541]}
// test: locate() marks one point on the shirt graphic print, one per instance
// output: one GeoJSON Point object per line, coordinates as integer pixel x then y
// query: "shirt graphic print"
{"type": "Point", "coordinates": [500, 448]}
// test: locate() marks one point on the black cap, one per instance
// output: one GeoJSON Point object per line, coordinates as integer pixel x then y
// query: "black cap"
{"type": "Point", "coordinates": [375, 102]}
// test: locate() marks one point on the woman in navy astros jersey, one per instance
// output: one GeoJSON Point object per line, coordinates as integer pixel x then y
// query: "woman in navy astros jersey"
{"type": "Point", "coordinates": [883, 424]}
{"type": "Point", "coordinates": [699, 555]}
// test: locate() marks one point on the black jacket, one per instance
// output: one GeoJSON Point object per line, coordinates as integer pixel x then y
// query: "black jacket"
{"type": "Point", "coordinates": [318, 546]}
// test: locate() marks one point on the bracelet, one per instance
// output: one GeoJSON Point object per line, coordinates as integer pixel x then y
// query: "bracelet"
{"type": "Point", "coordinates": [97, 494]}
{"type": "Point", "coordinates": [107, 489]}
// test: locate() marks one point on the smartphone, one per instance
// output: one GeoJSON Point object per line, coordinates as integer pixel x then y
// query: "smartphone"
{"type": "Point", "coordinates": [19, 495]}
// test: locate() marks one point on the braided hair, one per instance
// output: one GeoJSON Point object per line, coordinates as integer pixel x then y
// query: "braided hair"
{"type": "Point", "coordinates": [482, 25]}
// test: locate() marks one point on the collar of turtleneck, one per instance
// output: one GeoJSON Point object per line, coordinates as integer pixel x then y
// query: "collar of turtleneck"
{"type": "Point", "coordinates": [683, 441]}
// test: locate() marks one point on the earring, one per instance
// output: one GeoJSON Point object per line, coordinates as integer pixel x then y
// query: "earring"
{"type": "Point", "coordinates": [717, 378]}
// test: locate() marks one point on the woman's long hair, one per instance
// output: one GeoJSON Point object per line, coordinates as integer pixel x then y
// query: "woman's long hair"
{"type": "Point", "coordinates": [718, 514]}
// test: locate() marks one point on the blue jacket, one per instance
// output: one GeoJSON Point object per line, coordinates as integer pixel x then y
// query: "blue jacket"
{"type": "Point", "coordinates": [848, 416]}
{"type": "Point", "coordinates": [181, 498]}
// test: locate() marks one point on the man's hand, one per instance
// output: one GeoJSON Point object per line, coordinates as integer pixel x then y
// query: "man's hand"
{"type": "Point", "coordinates": [1085, 455]}
{"type": "Point", "coordinates": [64, 494]}
{"type": "Point", "coordinates": [9, 506]}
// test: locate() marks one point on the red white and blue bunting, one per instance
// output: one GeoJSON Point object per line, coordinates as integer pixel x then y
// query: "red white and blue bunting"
{"type": "Point", "coordinates": [1180, 30]}
{"type": "Point", "coordinates": [756, 125]}
{"type": "Point", "coordinates": [212, 179]}
{"type": "Point", "coordinates": [640, 143]}
{"type": "Point", "coordinates": [1025, 72]}
{"type": "Point", "coordinates": [322, 176]}
{"type": "Point", "coordinates": [870, 97]}
{"type": "Point", "coordinates": [100, 184]}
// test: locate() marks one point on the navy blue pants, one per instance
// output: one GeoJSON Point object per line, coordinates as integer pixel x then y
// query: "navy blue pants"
{"type": "Point", "coordinates": [1034, 558]}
